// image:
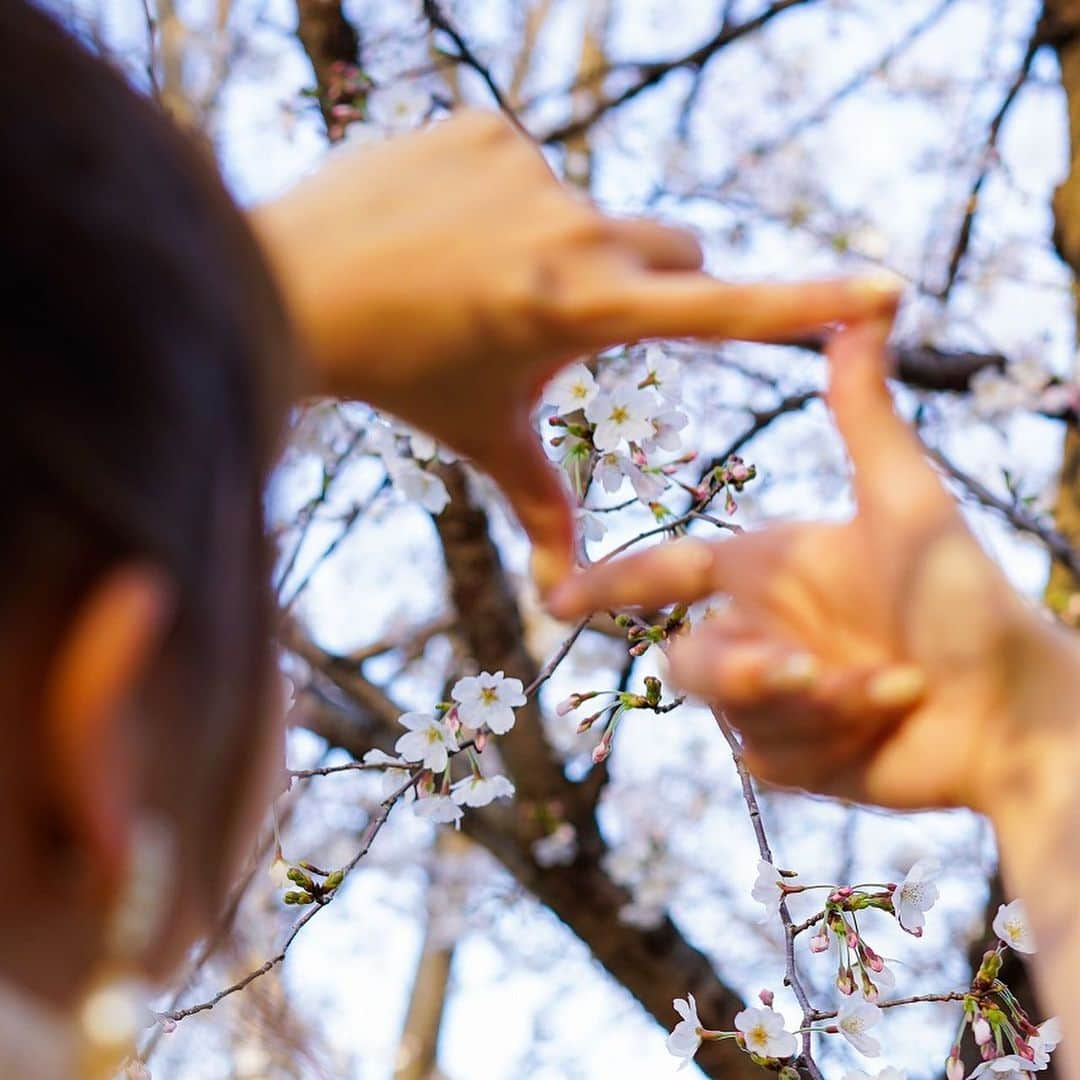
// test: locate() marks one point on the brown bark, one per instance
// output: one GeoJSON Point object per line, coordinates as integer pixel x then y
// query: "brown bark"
{"type": "Point", "coordinates": [1063, 22]}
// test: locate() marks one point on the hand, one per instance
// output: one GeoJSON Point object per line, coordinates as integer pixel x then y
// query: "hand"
{"type": "Point", "coordinates": [885, 660]}
{"type": "Point", "coordinates": [445, 276]}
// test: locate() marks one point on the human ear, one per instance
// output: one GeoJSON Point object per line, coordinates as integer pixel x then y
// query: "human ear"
{"type": "Point", "coordinates": [91, 688]}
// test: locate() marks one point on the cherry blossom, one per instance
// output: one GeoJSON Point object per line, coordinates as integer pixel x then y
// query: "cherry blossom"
{"type": "Point", "coordinates": [418, 484]}
{"type": "Point", "coordinates": [1007, 1067]}
{"type": "Point", "coordinates": [395, 770]}
{"type": "Point", "coordinates": [573, 388]}
{"type": "Point", "coordinates": [558, 848]}
{"type": "Point", "coordinates": [487, 699]}
{"type": "Point", "coordinates": [916, 895]}
{"type": "Point", "coordinates": [1012, 926]}
{"type": "Point", "coordinates": [592, 525]}
{"type": "Point", "coordinates": [622, 414]}
{"type": "Point", "coordinates": [769, 887]}
{"type": "Point", "coordinates": [440, 809]}
{"type": "Point", "coordinates": [400, 107]}
{"type": "Point", "coordinates": [666, 428]}
{"type": "Point", "coordinates": [764, 1033]}
{"type": "Point", "coordinates": [479, 790]}
{"type": "Point", "coordinates": [1043, 1044]}
{"type": "Point", "coordinates": [685, 1038]}
{"type": "Point", "coordinates": [428, 740]}
{"type": "Point", "coordinates": [663, 372]}
{"type": "Point", "coordinates": [855, 1019]}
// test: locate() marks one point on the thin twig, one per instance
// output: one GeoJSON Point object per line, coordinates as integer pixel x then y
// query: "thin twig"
{"type": "Point", "coordinates": [791, 974]}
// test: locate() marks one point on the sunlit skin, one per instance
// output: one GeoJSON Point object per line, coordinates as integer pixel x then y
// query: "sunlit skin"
{"type": "Point", "coordinates": [886, 659]}
{"type": "Point", "coordinates": [442, 276]}
{"type": "Point", "coordinates": [446, 275]}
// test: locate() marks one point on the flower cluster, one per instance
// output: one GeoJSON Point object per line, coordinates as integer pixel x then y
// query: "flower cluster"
{"type": "Point", "coordinates": [618, 427]}
{"type": "Point", "coordinates": [758, 1031]}
{"type": "Point", "coordinates": [482, 706]}
{"type": "Point", "coordinates": [1009, 1044]}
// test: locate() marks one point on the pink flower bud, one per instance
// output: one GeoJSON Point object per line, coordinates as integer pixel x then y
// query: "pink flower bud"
{"type": "Point", "coordinates": [852, 939]}
{"type": "Point", "coordinates": [844, 981]}
{"type": "Point", "coordinates": [1024, 1050]}
{"type": "Point", "coordinates": [873, 961]}
{"type": "Point", "coordinates": [955, 1069]}
{"type": "Point", "coordinates": [567, 706]}
{"type": "Point", "coordinates": [481, 740]}
{"type": "Point", "coordinates": [766, 997]}
{"type": "Point", "coordinates": [819, 943]}
{"type": "Point", "coordinates": [981, 1030]}
{"type": "Point", "coordinates": [844, 891]}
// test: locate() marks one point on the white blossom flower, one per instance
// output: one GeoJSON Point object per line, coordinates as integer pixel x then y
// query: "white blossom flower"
{"type": "Point", "coordinates": [418, 484]}
{"type": "Point", "coordinates": [763, 1030]}
{"type": "Point", "coordinates": [428, 740]}
{"type": "Point", "coordinates": [685, 1039]}
{"type": "Point", "coordinates": [1007, 1067]}
{"type": "Point", "coordinates": [592, 525]}
{"type": "Point", "coordinates": [395, 770]}
{"type": "Point", "coordinates": [609, 471]}
{"type": "Point", "coordinates": [558, 848]}
{"type": "Point", "coordinates": [624, 413]}
{"type": "Point", "coordinates": [1045, 1043]}
{"type": "Point", "coordinates": [916, 895]}
{"type": "Point", "coordinates": [648, 486]}
{"type": "Point", "coordinates": [854, 1020]}
{"type": "Point", "coordinates": [440, 809]}
{"type": "Point", "coordinates": [666, 428]}
{"type": "Point", "coordinates": [663, 372]}
{"type": "Point", "coordinates": [479, 790]}
{"type": "Point", "coordinates": [400, 107]}
{"type": "Point", "coordinates": [888, 1073]}
{"type": "Point", "coordinates": [488, 699]}
{"type": "Point", "coordinates": [769, 887]}
{"type": "Point", "coordinates": [1012, 926]}
{"type": "Point", "coordinates": [573, 388]}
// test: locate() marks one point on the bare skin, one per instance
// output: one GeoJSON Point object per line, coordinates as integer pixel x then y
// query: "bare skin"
{"type": "Point", "coordinates": [887, 659]}
{"type": "Point", "coordinates": [446, 275]}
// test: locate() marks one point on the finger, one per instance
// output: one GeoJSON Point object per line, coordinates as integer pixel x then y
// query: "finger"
{"type": "Point", "coordinates": [659, 247]}
{"type": "Point", "coordinates": [739, 671]}
{"type": "Point", "coordinates": [774, 682]}
{"type": "Point", "coordinates": [540, 500]}
{"type": "Point", "coordinates": [697, 305]}
{"type": "Point", "coordinates": [679, 572]}
{"type": "Point", "coordinates": [890, 467]}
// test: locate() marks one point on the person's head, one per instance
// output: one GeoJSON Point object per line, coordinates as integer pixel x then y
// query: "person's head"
{"type": "Point", "coordinates": [143, 356]}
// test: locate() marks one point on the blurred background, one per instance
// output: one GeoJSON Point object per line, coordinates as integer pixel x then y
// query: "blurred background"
{"type": "Point", "coordinates": [547, 937]}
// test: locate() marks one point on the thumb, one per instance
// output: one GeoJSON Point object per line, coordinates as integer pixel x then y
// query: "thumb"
{"type": "Point", "coordinates": [891, 470]}
{"type": "Point", "coordinates": [539, 498]}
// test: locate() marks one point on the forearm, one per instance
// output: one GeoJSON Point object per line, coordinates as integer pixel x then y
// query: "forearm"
{"type": "Point", "coordinates": [1035, 808]}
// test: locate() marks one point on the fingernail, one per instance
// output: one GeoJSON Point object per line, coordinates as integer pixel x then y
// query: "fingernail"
{"type": "Point", "coordinates": [897, 687]}
{"type": "Point", "coordinates": [884, 285]}
{"type": "Point", "coordinates": [795, 672]}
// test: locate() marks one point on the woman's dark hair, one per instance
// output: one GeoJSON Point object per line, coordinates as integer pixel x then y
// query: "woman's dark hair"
{"type": "Point", "coordinates": [143, 360]}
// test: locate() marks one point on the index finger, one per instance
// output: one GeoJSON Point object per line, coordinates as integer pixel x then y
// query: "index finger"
{"type": "Point", "coordinates": [679, 572]}
{"type": "Point", "coordinates": [698, 305]}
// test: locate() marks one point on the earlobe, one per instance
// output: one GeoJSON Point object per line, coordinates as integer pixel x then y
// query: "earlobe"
{"type": "Point", "coordinates": [91, 692]}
